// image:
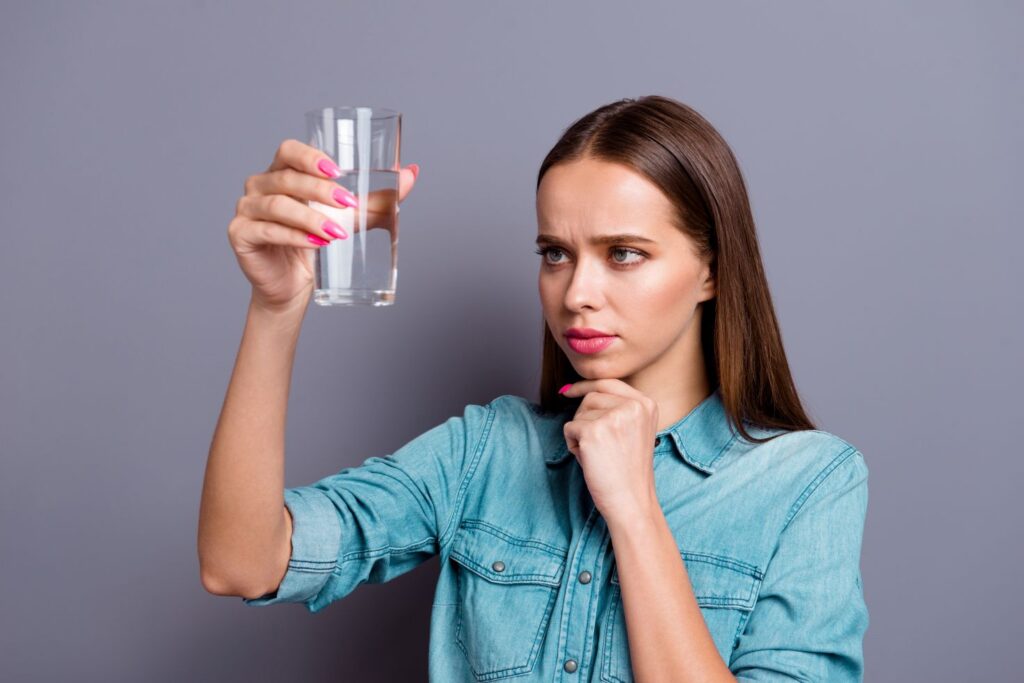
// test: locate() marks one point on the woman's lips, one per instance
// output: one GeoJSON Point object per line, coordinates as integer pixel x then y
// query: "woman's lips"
{"type": "Point", "coordinates": [591, 345]}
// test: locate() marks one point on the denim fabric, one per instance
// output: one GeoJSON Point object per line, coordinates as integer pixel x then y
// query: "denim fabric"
{"type": "Point", "coordinates": [770, 535]}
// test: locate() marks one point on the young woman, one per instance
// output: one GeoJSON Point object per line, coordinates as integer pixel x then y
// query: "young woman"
{"type": "Point", "coordinates": [665, 512]}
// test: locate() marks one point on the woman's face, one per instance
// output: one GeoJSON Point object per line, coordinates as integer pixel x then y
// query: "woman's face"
{"type": "Point", "coordinates": [642, 290]}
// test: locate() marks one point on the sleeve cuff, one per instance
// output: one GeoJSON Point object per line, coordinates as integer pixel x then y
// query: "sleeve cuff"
{"type": "Point", "coordinates": [316, 542]}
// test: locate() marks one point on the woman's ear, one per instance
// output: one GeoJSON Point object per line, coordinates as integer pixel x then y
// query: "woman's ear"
{"type": "Point", "coordinates": [708, 287]}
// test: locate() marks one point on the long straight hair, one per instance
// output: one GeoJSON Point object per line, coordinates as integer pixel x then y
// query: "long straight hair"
{"type": "Point", "coordinates": [682, 154]}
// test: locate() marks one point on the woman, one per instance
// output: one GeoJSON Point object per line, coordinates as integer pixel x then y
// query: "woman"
{"type": "Point", "coordinates": [702, 530]}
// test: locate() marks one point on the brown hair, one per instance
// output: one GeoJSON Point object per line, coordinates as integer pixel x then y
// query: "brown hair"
{"type": "Point", "coordinates": [679, 151]}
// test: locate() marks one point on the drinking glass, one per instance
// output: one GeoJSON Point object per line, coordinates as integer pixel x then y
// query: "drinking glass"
{"type": "Point", "coordinates": [364, 142]}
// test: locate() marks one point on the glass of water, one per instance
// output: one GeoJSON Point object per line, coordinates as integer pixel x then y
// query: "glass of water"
{"type": "Point", "coordinates": [365, 143]}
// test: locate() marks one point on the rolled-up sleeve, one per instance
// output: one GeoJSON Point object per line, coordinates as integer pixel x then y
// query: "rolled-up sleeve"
{"type": "Point", "coordinates": [376, 521]}
{"type": "Point", "coordinates": [809, 621]}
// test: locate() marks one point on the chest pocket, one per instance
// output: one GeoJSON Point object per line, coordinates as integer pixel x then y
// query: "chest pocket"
{"type": "Point", "coordinates": [726, 590]}
{"type": "Point", "coordinates": [507, 586]}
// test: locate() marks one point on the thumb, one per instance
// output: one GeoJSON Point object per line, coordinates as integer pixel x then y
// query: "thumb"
{"type": "Point", "coordinates": [406, 180]}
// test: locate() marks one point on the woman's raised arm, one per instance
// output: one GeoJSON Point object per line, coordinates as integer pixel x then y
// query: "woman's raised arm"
{"type": "Point", "coordinates": [244, 539]}
{"type": "Point", "coordinates": [244, 527]}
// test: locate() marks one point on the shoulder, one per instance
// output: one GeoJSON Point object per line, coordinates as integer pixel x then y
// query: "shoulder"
{"type": "Point", "coordinates": [507, 415]}
{"type": "Point", "coordinates": [799, 463]}
{"type": "Point", "coordinates": [518, 423]}
{"type": "Point", "coordinates": [812, 449]}
{"type": "Point", "coordinates": [499, 408]}
{"type": "Point", "coordinates": [516, 403]}
{"type": "Point", "coordinates": [515, 413]}
{"type": "Point", "coordinates": [822, 455]}
{"type": "Point", "coordinates": [513, 402]}
{"type": "Point", "coordinates": [507, 412]}
{"type": "Point", "coordinates": [512, 407]}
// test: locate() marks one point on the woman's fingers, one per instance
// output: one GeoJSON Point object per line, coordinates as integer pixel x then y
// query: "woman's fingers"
{"type": "Point", "coordinates": [303, 172]}
{"type": "Point", "coordinates": [302, 157]}
{"type": "Point", "coordinates": [294, 183]}
{"type": "Point", "coordinates": [607, 385]}
{"type": "Point", "coordinates": [255, 233]}
{"type": "Point", "coordinates": [406, 179]}
{"type": "Point", "coordinates": [288, 211]}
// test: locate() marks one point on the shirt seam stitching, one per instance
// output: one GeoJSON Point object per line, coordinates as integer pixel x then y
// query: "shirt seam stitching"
{"type": "Point", "coordinates": [722, 451]}
{"type": "Point", "coordinates": [445, 535]}
{"type": "Point", "coordinates": [815, 484]}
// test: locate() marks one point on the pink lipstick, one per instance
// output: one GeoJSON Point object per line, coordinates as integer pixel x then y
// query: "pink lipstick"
{"type": "Point", "coordinates": [588, 340]}
{"type": "Point", "coordinates": [590, 345]}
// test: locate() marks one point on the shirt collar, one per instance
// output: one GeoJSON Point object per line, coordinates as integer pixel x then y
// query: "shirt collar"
{"type": "Point", "coordinates": [700, 437]}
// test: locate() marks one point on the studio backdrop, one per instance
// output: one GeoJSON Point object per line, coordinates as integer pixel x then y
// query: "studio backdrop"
{"type": "Point", "coordinates": [881, 145]}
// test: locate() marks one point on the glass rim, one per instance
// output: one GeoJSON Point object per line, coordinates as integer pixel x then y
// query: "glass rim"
{"type": "Point", "coordinates": [376, 113]}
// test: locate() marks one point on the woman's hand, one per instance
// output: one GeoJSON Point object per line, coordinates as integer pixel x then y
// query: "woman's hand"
{"type": "Point", "coordinates": [612, 436]}
{"type": "Point", "coordinates": [272, 227]}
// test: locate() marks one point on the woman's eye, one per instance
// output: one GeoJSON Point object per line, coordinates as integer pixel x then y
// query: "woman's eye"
{"type": "Point", "coordinates": [545, 251]}
{"type": "Point", "coordinates": [627, 251]}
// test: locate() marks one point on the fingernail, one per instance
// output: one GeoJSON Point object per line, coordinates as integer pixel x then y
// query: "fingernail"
{"type": "Point", "coordinates": [344, 197]}
{"type": "Point", "coordinates": [318, 241]}
{"type": "Point", "coordinates": [415, 168]}
{"type": "Point", "coordinates": [328, 168]}
{"type": "Point", "coordinates": [334, 230]}
{"type": "Point", "coordinates": [562, 390]}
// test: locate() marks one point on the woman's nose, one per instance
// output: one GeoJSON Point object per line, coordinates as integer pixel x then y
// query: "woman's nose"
{"type": "Point", "coordinates": [585, 287]}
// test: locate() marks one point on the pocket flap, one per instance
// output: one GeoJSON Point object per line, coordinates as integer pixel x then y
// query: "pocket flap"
{"type": "Point", "coordinates": [718, 581]}
{"type": "Point", "coordinates": [501, 557]}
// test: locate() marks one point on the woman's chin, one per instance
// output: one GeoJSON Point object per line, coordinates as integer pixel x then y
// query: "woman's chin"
{"type": "Point", "coordinates": [595, 368]}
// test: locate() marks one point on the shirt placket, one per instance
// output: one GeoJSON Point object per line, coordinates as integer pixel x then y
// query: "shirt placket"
{"type": "Point", "coordinates": [579, 609]}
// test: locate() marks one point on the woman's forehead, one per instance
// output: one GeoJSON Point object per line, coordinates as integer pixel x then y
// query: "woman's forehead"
{"type": "Point", "coordinates": [588, 218]}
{"type": "Point", "coordinates": [598, 196]}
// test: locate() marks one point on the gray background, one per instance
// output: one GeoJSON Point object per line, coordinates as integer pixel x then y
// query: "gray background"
{"type": "Point", "coordinates": [882, 147]}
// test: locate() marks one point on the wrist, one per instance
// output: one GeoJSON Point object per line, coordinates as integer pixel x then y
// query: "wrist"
{"type": "Point", "coordinates": [642, 513]}
{"type": "Point", "coordinates": [289, 311]}
{"type": "Point", "coordinates": [282, 319]}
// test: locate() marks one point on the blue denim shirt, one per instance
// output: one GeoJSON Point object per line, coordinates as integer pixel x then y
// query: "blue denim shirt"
{"type": "Point", "coordinates": [770, 536]}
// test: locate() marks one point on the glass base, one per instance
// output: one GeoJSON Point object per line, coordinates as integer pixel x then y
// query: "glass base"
{"type": "Point", "coordinates": [354, 297]}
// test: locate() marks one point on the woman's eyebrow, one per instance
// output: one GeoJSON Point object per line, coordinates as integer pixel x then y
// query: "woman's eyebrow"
{"type": "Point", "coordinates": [621, 238]}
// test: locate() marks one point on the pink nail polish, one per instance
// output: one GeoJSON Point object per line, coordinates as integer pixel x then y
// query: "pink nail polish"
{"type": "Point", "coordinates": [562, 390]}
{"type": "Point", "coordinates": [415, 168]}
{"type": "Point", "coordinates": [318, 241]}
{"type": "Point", "coordinates": [335, 230]}
{"type": "Point", "coordinates": [328, 168]}
{"type": "Point", "coordinates": [344, 197]}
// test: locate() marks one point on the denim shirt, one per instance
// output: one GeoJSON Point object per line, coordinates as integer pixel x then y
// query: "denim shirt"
{"type": "Point", "coordinates": [770, 535]}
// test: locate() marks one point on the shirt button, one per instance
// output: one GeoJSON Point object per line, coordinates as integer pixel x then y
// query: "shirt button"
{"type": "Point", "coordinates": [498, 566]}
{"type": "Point", "coordinates": [570, 665]}
{"type": "Point", "coordinates": [585, 576]}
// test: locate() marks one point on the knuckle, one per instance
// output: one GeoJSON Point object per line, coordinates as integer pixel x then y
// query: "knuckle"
{"type": "Point", "coordinates": [290, 179]}
{"type": "Point", "coordinates": [275, 183]}
{"type": "Point", "coordinates": [250, 185]}
{"type": "Point", "coordinates": [278, 154]}
{"type": "Point", "coordinates": [241, 204]}
{"type": "Point", "coordinates": [234, 227]}
{"type": "Point", "coordinates": [288, 147]}
{"type": "Point", "coordinates": [276, 203]}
